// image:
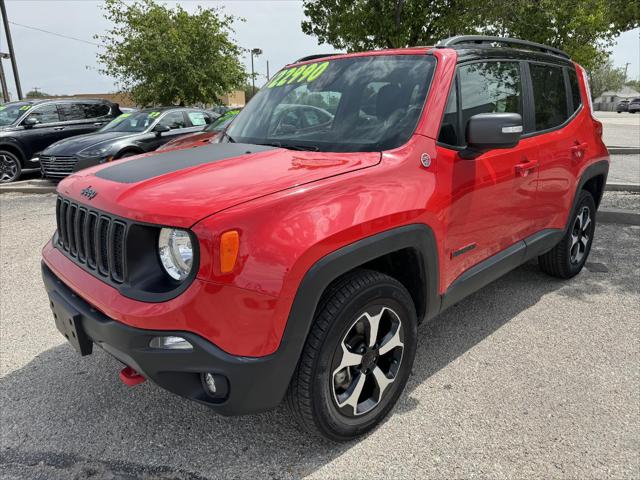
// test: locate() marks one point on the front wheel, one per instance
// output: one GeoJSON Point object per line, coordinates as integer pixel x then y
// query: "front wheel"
{"type": "Point", "coordinates": [357, 358]}
{"type": "Point", "coordinates": [10, 167]}
{"type": "Point", "coordinates": [567, 258]}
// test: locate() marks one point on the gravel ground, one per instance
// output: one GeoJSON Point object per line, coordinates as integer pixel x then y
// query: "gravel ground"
{"type": "Point", "coordinates": [624, 200]}
{"type": "Point", "coordinates": [529, 378]}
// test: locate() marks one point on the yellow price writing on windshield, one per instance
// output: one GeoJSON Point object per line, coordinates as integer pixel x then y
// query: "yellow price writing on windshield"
{"type": "Point", "coordinates": [303, 73]}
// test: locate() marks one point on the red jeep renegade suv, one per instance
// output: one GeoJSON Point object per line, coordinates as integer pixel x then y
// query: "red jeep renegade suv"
{"type": "Point", "coordinates": [355, 197]}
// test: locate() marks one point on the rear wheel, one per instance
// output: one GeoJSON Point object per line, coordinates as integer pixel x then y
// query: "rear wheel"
{"type": "Point", "coordinates": [357, 358]}
{"type": "Point", "coordinates": [10, 167]}
{"type": "Point", "coordinates": [567, 258]}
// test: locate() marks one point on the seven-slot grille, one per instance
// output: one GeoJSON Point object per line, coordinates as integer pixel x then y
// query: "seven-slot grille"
{"type": "Point", "coordinates": [92, 239]}
{"type": "Point", "coordinates": [57, 167]}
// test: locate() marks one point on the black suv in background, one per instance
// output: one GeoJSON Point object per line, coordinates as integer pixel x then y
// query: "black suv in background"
{"type": "Point", "coordinates": [28, 127]}
{"type": "Point", "coordinates": [129, 134]}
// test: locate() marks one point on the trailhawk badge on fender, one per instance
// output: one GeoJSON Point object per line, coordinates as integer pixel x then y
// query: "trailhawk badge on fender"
{"type": "Point", "coordinates": [88, 192]}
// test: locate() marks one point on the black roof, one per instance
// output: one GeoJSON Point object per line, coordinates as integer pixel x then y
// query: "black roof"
{"type": "Point", "coordinates": [471, 47]}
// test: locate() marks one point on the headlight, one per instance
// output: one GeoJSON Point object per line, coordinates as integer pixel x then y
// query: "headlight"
{"type": "Point", "coordinates": [176, 252]}
{"type": "Point", "coordinates": [93, 152]}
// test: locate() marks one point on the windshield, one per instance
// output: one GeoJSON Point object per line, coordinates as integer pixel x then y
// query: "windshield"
{"type": "Point", "coordinates": [131, 122]}
{"type": "Point", "coordinates": [221, 122]}
{"type": "Point", "coordinates": [353, 104]}
{"type": "Point", "coordinates": [10, 112]}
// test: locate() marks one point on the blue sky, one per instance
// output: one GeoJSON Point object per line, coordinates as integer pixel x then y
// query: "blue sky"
{"type": "Point", "coordinates": [63, 66]}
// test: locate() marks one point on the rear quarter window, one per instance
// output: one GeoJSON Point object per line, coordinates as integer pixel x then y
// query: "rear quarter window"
{"type": "Point", "coordinates": [576, 98]}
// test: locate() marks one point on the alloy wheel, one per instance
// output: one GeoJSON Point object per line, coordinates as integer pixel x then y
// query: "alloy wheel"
{"type": "Point", "coordinates": [367, 361]}
{"type": "Point", "coordinates": [580, 235]}
{"type": "Point", "coordinates": [8, 168]}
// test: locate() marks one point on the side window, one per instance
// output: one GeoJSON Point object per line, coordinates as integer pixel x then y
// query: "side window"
{"type": "Point", "coordinates": [96, 110]}
{"type": "Point", "coordinates": [487, 87]}
{"type": "Point", "coordinates": [173, 120]}
{"type": "Point", "coordinates": [71, 111]}
{"type": "Point", "coordinates": [575, 89]}
{"type": "Point", "coordinates": [449, 128]}
{"type": "Point", "coordinates": [198, 119]}
{"type": "Point", "coordinates": [491, 87]}
{"type": "Point", "coordinates": [45, 114]}
{"type": "Point", "coordinates": [549, 96]}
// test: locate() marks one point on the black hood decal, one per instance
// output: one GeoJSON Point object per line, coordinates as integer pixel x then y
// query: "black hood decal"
{"type": "Point", "coordinates": [137, 170]}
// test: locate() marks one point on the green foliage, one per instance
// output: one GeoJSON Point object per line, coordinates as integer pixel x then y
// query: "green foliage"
{"type": "Point", "coordinates": [605, 77]}
{"type": "Point", "coordinates": [167, 56]}
{"type": "Point", "coordinates": [635, 84]}
{"type": "Point", "coordinates": [36, 94]}
{"type": "Point", "coordinates": [584, 28]}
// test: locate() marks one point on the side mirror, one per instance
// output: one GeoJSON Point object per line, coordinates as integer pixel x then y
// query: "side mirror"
{"type": "Point", "coordinates": [487, 131]}
{"type": "Point", "coordinates": [29, 122]}
{"type": "Point", "coordinates": [160, 129]}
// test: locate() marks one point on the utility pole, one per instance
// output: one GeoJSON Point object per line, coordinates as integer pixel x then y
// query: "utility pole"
{"type": "Point", "coordinates": [268, 70]}
{"type": "Point", "coordinates": [626, 65]}
{"type": "Point", "coordinates": [256, 52]}
{"type": "Point", "coordinates": [3, 79]}
{"type": "Point", "coordinates": [12, 53]}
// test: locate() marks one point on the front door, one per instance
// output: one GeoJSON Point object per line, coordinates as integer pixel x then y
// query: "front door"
{"type": "Point", "coordinates": [493, 194]}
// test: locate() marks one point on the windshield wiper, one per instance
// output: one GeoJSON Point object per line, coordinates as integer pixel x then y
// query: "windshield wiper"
{"type": "Point", "coordinates": [291, 146]}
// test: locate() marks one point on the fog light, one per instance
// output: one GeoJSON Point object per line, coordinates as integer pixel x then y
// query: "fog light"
{"type": "Point", "coordinates": [215, 385]}
{"type": "Point", "coordinates": [170, 343]}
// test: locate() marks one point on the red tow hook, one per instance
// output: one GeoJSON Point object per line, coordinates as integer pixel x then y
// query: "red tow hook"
{"type": "Point", "coordinates": [130, 377]}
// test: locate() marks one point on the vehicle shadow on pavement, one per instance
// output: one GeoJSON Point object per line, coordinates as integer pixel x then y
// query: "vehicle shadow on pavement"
{"type": "Point", "coordinates": [63, 410]}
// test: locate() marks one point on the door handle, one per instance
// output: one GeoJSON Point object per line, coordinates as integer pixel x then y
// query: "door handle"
{"type": "Point", "coordinates": [578, 150]}
{"type": "Point", "coordinates": [525, 168]}
{"type": "Point", "coordinates": [58, 128]}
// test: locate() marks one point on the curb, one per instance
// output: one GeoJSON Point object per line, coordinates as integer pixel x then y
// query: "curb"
{"type": "Point", "coordinates": [623, 150]}
{"type": "Point", "coordinates": [618, 215]}
{"type": "Point", "coordinates": [622, 187]}
{"type": "Point", "coordinates": [27, 189]}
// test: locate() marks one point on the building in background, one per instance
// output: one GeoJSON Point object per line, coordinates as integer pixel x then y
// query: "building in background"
{"type": "Point", "coordinates": [608, 100]}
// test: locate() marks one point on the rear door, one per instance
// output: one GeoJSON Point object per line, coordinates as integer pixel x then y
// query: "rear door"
{"type": "Point", "coordinates": [76, 122]}
{"type": "Point", "coordinates": [491, 195]}
{"type": "Point", "coordinates": [560, 142]}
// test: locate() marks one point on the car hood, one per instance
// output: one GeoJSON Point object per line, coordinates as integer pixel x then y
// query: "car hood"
{"type": "Point", "coordinates": [71, 146]}
{"type": "Point", "coordinates": [192, 140]}
{"type": "Point", "coordinates": [181, 187]}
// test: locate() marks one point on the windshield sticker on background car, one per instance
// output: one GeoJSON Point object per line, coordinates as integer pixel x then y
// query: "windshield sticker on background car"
{"type": "Point", "coordinates": [120, 118]}
{"type": "Point", "coordinates": [25, 107]}
{"type": "Point", "coordinates": [303, 73]}
{"type": "Point", "coordinates": [154, 114]}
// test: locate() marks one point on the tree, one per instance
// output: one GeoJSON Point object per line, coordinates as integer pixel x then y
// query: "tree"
{"type": "Point", "coordinates": [635, 84]}
{"type": "Point", "coordinates": [166, 56]}
{"type": "Point", "coordinates": [605, 77]}
{"type": "Point", "coordinates": [584, 28]}
{"type": "Point", "coordinates": [36, 94]}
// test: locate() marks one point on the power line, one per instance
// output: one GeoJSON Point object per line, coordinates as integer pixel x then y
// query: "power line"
{"type": "Point", "coordinates": [56, 34]}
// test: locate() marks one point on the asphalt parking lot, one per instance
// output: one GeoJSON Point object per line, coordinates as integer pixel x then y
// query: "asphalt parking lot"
{"type": "Point", "coordinates": [530, 377]}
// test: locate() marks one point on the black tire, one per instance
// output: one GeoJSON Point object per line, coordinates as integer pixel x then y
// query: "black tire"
{"type": "Point", "coordinates": [10, 167]}
{"type": "Point", "coordinates": [313, 395]}
{"type": "Point", "coordinates": [567, 258]}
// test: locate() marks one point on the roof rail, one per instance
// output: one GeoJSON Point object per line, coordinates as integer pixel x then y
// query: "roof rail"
{"type": "Point", "coordinates": [480, 39]}
{"type": "Point", "coordinates": [316, 56]}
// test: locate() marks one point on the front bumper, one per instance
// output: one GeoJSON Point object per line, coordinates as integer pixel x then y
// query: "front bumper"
{"type": "Point", "coordinates": [86, 162]}
{"type": "Point", "coordinates": [255, 384]}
